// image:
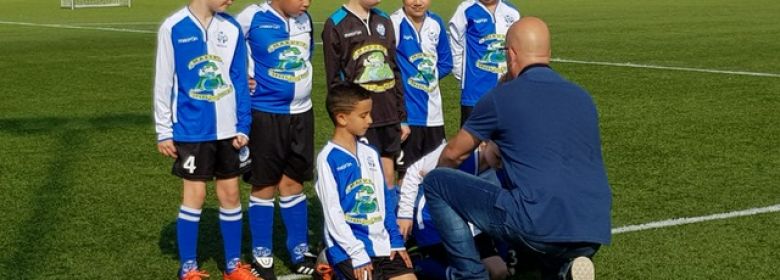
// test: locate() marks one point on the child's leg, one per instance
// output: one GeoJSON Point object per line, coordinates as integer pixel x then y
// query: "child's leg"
{"type": "Point", "coordinates": [193, 195]}
{"type": "Point", "coordinates": [293, 205]}
{"type": "Point", "coordinates": [230, 220]}
{"type": "Point", "coordinates": [261, 220]}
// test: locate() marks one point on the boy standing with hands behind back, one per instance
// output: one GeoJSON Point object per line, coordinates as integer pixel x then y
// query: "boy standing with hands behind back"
{"type": "Point", "coordinates": [359, 47]}
{"type": "Point", "coordinates": [477, 35]}
{"type": "Point", "coordinates": [279, 35]}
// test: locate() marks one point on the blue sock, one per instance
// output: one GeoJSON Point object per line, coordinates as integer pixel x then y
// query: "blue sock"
{"type": "Point", "coordinates": [230, 226]}
{"type": "Point", "coordinates": [187, 237]}
{"type": "Point", "coordinates": [295, 216]}
{"type": "Point", "coordinates": [261, 225]}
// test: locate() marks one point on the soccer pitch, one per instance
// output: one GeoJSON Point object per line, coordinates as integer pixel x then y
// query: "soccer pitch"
{"type": "Point", "coordinates": [688, 93]}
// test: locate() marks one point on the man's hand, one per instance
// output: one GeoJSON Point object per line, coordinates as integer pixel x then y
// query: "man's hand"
{"type": "Point", "coordinates": [405, 131]}
{"type": "Point", "coordinates": [239, 141]}
{"type": "Point", "coordinates": [252, 84]}
{"type": "Point", "coordinates": [405, 227]}
{"type": "Point", "coordinates": [167, 148]}
{"type": "Point", "coordinates": [404, 256]}
{"type": "Point", "coordinates": [364, 272]}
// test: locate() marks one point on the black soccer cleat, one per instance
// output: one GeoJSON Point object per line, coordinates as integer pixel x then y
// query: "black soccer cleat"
{"type": "Point", "coordinates": [307, 266]}
{"type": "Point", "coordinates": [264, 268]}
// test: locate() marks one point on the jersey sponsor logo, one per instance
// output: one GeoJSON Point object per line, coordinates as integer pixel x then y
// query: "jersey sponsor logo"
{"type": "Point", "coordinates": [344, 166]}
{"type": "Point", "coordinates": [376, 75]}
{"type": "Point", "coordinates": [380, 28]}
{"type": "Point", "coordinates": [408, 37]}
{"type": "Point", "coordinates": [365, 211]}
{"type": "Point", "coordinates": [269, 26]}
{"type": "Point", "coordinates": [480, 20]}
{"type": "Point", "coordinates": [292, 66]}
{"type": "Point", "coordinates": [187, 40]}
{"type": "Point", "coordinates": [494, 59]}
{"type": "Point", "coordinates": [425, 79]}
{"type": "Point", "coordinates": [211, 86]}
{"type": "Point", "coordinates": [353, 34]}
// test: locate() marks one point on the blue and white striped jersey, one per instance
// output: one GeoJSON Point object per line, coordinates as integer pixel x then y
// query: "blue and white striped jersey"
{"type": "Point", "coordinates": [478, 46]}
{"type": "Point", "coordinates": [200, 86]}
{"type": "Point", "coordinates": [412, 203]}
{"type": "Point", "coordinates": [353, 191]}
{"type": "Point", "coordinates": [424, 58]}
{"type": "Point", "coordinates": [280, 50]}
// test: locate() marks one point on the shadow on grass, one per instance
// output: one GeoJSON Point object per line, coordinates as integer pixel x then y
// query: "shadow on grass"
{"type": "Point", "coordinates": [49, 125]}
{"type": "Point", "coordinates": [53, 192]}
{"type": "Point", "coordinates": [210, 246]}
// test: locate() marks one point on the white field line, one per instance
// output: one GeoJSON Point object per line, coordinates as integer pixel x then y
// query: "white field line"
{"type": "Point", "coordinates": [117, 23]}
{"type": "Point", "coordinates": [562, 60]}
{"type": "Point", "coordinates": [633, 65]}
{"type": "Point", "coordinates": [693, 220]}
{"type": "Point", "coordinates": [66, 26]}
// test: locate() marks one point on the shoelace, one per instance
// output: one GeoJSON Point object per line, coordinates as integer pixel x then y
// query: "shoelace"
{"type": "Point", "coordinates": [195, 275]}
{"type": "Point", "coordinates": [243, 272]}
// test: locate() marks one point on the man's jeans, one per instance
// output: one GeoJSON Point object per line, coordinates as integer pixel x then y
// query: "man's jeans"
{"type": "Point", "coordinates": [455, 197]}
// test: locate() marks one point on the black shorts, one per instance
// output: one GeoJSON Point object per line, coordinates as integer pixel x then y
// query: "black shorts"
{"type": "Point", "coordinates": [281, 145]}
{"type": "Point", "coordinates": [201, 161]}
{"type": "Point", "coordinates": [420, 142]}
{"type": "Point", "coordinates": [384, 268]}
{"type": "Point", "coordinates": [386, 139]}
{"type": "Point", "coordinates": [465, 112]}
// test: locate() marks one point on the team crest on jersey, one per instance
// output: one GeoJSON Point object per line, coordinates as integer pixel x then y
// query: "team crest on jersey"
{"type": "Point", "coordinates": [509, 19]}
{"type": "Point", "coordinates": [425, 79]}
{"type": "Point", "coordinates": [494, 59]}
{"type": "Point", "coordinates": [211, 86]}
{"type": "Point", "coordinates": [376, 75]}
{"type": "Point", "coordinates": [433, 37]}
{"type": "Point", "coordinates": [222, 39]}
{"type": "Point", "coordinates": [365, 211]}
{"type": "Point", "coordinates": [380, 28]}
{"type": "Point", "coordinates": [292, 66]}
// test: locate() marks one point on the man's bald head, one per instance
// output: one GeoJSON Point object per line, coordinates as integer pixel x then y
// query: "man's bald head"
{"type": "Point", "coordinates": [528, 42]}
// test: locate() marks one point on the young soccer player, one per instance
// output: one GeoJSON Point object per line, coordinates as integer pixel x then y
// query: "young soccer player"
{"type": "Point", "coordinates": [414, 219]}
{"type": "Point", "coordinates": [359, 45]}
{"type": "Point", "coordinates": [424, 57]}
{"type": "Point", "coordinates": [202, 115]}
{"type": "Point", "coordinates": [360, 226]}
{"type": "Point", "coordinates": [279, 35]}
{"type": "Point", "coordinates": [477, 35]}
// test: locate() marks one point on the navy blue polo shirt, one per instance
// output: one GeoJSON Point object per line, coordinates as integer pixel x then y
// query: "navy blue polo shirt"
{"type": "Point", "coordinates": [547, 130]}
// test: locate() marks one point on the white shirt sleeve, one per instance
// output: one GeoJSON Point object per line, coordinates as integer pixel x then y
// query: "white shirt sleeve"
{"type": "Point", "coordinates": [411, 184]}
{"type": "Point", "coordinates": [457, 28]}
{"type": "Point", "coordinates": [245, 20]}
{"type": "Point", "coordinates": [163, 85]}
{"type": "Point", "coordinates": [335, 225]}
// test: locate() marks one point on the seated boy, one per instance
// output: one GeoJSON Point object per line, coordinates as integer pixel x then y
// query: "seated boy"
{"type": "Point", "coordinates": [414, 219]}
{"type": "Point", "coordinates": [361, 234]}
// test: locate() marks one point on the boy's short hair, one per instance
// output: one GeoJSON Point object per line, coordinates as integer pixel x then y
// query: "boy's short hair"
{"type": "Point", "coordinates": [343, 97]}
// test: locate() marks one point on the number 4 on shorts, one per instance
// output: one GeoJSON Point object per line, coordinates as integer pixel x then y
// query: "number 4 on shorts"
{"type": "Point", "coordinates": [189, 164]}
